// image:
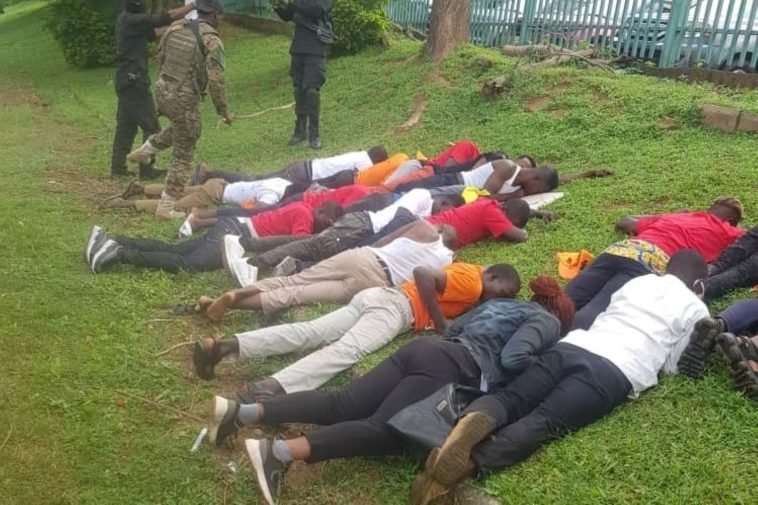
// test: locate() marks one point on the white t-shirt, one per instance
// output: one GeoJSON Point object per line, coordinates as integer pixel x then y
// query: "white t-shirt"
{"type": "Point", "coordinates": [321, 168]}
{"type": "Point", "coordinates": [417, 201]}
{"type": "Point", "coordinates": [266, 191]}
{"type": "Point", "coordinates": [478, 178]}
{"type": "Point", "coordinates": [403, 255]}
{"type": "Point", "coordinates": [645, 328]}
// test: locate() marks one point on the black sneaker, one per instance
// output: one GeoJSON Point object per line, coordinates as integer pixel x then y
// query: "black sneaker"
{"type": "Point", "coordinates": [105, 256]}
{"type": "Point", "coordinates": [255, 392]}
{"type": "Point", "coordinates": [268, 470]}
{"type": "Point", "coordinates": [285, 268]}
{"type": "Point", "coordinates": [223, 421]}
{"type": "Point", "coordinates": [695, 357]}
{"type": "Point", "coordinates": [97, 238]}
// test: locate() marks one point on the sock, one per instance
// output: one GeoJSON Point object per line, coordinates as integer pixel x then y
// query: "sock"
{"type": "Point", "coordinates": [249, 414]}
{"type": "Point", "coordinates": [282, 452]}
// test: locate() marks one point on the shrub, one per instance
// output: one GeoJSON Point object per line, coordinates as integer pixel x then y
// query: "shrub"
{"type": "Point", "coordinates": [85, 30]}
{"type": "Point", "coordinates": [358, 24]}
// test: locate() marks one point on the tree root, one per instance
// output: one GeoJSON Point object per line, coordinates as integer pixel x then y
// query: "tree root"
{"type": "Point", "coordinates": [419, 106]}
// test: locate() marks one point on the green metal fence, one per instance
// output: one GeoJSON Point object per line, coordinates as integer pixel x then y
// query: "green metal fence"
{"type": "Point", "coordinates": [721, 34]}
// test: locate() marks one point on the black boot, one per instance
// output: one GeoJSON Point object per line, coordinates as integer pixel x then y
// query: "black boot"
{"type": "Point", "coordinates": [148, 173]}
{"type": "Point", "coordinates": [298, 135]}
{"type": "Point", "coordinates": [313, 99]}
{"type": "Point", "coordinates": [313, 138]}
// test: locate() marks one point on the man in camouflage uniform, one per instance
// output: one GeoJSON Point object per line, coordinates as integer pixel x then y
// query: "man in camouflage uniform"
{"type": "Point", "coordinates": [191, 60]}
{"type": "Point", "coordinates": [135, 29]}
{"type": "Point", "coordinates": [308, 65]}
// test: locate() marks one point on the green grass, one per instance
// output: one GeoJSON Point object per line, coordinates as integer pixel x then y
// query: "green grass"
{"type": "Point", "coordinates": [73, 342]}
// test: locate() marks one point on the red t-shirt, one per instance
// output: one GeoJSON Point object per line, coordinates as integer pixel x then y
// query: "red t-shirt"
{"type": "Point", "coordinates": [344, 196]}
{"type": "Point", "coordinates": [701, 231]}
{"type": "Point", "coordinates": [461, 152]}
{"type": "Point", "coordinates": [293, 219]}
{"type": "Point", "coordinates": [475, 221]}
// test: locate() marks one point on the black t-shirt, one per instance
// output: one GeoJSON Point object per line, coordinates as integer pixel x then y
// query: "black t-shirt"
{"type": "Point", "coordinates": [133, 34]}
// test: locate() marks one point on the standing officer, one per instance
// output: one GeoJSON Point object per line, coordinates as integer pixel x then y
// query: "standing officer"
{"type": "Point", "coordinates": [191, 60]}
{"type": "Point", "coordinates": [135, 29]}
{"type": "Point", "coordinates": [313, 34]}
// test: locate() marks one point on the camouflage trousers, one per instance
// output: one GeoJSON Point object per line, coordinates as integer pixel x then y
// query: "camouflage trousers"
{"type": "Point", "coordinates": [182, 107]}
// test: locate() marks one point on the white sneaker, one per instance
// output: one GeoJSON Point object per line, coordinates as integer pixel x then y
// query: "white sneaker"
{"type": "Point", "coordinates": [243, 272]}
{"type": "Point", "coordinates": [143, 154]}
{"type": "Point", "coordinates": [96, 239]}
{"type": "Point", "coordinates": [232, 250]}
{"type": "Point", "coordinates": [185, 230]}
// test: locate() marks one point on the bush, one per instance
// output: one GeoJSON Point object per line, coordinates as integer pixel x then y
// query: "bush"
{"type": "Point", "coordinates": [358, 24]}
{"type": "Point", "coordinates": [85, 30]}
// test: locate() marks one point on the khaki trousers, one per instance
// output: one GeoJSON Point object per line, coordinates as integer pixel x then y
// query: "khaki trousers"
{"type": "Point", "coordinates": [208, 194]}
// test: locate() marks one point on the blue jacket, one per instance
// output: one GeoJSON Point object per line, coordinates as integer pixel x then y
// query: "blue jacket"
{"type": "Point", "coordinates": [504, 336]}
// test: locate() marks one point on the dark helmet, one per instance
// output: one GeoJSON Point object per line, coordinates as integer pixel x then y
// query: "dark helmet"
{"type": "Point", "coordinates": [135, 6]}
{"type": "Point", "coordinates": [209, 6]}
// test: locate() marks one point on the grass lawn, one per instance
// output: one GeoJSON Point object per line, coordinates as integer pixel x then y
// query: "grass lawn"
{"type": "Point", "coordinates": [78, 349]}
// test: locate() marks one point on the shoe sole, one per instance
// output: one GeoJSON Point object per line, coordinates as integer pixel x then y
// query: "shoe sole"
{"type": "Point", "coordinates": [425, 488]}
{"type": "Point", "coordinates": [252, 447]}
{"type": "Point", "coordinates": [695, 356]}
{"type": "Point", "coordinates": [743, 378]}
{"type": "Point", "coordinates": [94, 233]}
{"type": "Point", "coordinates": [218, 412]}
{"type": "Point", "coordinates": [456, 451]}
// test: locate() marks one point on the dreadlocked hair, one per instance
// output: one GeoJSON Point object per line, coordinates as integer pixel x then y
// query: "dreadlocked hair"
{"type": "Point", "coordinates": [549, 294]}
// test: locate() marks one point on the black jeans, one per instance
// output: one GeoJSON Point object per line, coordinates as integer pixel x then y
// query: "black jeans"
{"type": "Point", "coordinates": [592, 289]}
{"type": "Point", "coordinates": [136, 110]}
{"type": "Point", "coordinates": [737, 267]}
{"type": "Point", "coordinates": [567, 388]}
{"type": "Point", "coordinates": [308, 74]}
{"type": "Point", "coordinates": [435, 181]}
{"type": "Point", "coordinates": [195, 255]}
{"type": "Point", "coordinates": [356, 416]}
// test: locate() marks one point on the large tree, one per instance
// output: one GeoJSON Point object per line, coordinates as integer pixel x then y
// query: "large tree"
{"type": "Point", "coordinates": [448, 27]}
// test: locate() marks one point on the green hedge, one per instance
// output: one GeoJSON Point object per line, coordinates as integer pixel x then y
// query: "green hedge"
{"type": "Point", "coordinates": [358, 24]}
{"type": "Point", "coordinates": [85, 30]}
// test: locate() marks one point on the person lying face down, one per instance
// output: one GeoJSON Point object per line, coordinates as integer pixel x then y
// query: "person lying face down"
{"type": "Point", "coordinates": [302, 173]}
{"type": "Point", "coordinates": [204, 253]}
{"type": "Point", "coordinates": [372, 319]}
{"type": "Point", "coordinates": [354, 419]}
{"type": "Point", "coordinates": [653, 239]}
{"type": "Point", "coordinates": [579, 380]}
{"type": "Point", "coordinates": [389, 263]}
{"type": "Point", "coordinates": [351, 230]}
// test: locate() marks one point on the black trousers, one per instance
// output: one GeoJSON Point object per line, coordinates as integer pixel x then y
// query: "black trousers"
{"type": "Point", "coordinates": [737, 267]}
{"type": "Point", "coordinates": [356, 416]}
{"type": "Point", "coordinates": [308, 74]}
{"type": "Point", "coordinates": [567, 388]}
{"type": "Point", "coordinates": [136, 110]}
{"type": "Point", "coordinates": [200, 254]}
{"type": "Point", "coordinates": [592, 289]}
{"type": "Point", "coordinates": [435, 181]}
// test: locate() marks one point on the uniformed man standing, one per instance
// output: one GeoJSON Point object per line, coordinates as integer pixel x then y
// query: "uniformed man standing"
{"type": "Point", "coordinates": [135, 29]}
{"type": "Point", "coordinates": [313, 34]}
{"type": "Point", "coordinates": [191, 60]}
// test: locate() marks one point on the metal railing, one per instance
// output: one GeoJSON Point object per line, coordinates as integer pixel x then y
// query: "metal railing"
{"type": "Point", "coordinates": [720, 34]}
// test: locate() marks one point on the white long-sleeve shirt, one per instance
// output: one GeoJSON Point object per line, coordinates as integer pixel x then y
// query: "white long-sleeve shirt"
{"type": "Point", "coordinates": [645, 328]}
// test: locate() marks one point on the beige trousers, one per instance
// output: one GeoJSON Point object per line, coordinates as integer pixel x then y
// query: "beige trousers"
{"type": "Point", "coordinates": [207, 195]}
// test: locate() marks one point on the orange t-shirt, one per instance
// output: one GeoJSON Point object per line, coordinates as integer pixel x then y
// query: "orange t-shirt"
{"type": "Point", "coordinates": [375, 175]}
{"type": "Point", "coordinates": [462, 290]}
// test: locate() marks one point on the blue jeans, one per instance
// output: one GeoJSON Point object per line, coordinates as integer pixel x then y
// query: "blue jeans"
{"type": "Point", "coordinates": [742, 317]}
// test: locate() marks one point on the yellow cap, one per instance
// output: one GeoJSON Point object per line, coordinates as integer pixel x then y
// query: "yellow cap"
{"type": "Point", "coordinates": [571, 263]}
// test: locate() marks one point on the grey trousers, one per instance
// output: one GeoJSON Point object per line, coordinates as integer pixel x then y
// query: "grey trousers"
{"type": "Point", "coordinates": [372, 319]}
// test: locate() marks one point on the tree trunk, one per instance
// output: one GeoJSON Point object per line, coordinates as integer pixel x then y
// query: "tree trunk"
{"type": "Point", "coordinates": [448, 27]}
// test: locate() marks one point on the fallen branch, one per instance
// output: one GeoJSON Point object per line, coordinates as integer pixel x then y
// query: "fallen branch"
{"type": "Point", "coordinates": [162, 406]}
{"type": "Point", "coordinates": [517, 51]}
{"type": "Point", "coordinates": [409, 32]}
{"type": "Point", "coordinates": [181, 344]}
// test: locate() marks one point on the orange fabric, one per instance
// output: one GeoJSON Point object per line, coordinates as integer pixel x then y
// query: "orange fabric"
{"type": "Point", "coordinates": [422, 173]}
{"type": "Point", "coordinates": [571, 263]}
{"type": "Point", "coordinates": [462, 290]}
{"type": "Point", "coordinates": [373, 176]}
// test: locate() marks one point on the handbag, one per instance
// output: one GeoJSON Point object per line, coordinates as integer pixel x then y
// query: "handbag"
{"type": "Point", "coordinates": [427, 423]}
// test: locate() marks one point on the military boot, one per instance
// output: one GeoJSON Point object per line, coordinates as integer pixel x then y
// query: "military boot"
{"type": "Point", "coordinates": [143, 154]}
{"type": "Point", "coordinates": [298, 135]}
{"type": "Point", "coordinates": [166, 209]}
{"type": "Point", "coordinates": [313, 137]}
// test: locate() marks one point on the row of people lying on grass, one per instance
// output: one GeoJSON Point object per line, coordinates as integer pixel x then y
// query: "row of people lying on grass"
{"type": "Point", "coordinates": [537, 381]}
{"type": "Point", "coordinates": [491, 172]}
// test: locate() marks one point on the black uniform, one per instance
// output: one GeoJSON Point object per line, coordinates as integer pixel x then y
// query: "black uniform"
{"type": "Point", "coordinates": [136, 108]}
{"type": "Point", "coordinates": [308, 67]}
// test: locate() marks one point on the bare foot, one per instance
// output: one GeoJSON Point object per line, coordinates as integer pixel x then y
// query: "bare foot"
{"type": "Point", "coordinates": [217, 309]}
{"type": "Point", "coordinates": [203, 303]}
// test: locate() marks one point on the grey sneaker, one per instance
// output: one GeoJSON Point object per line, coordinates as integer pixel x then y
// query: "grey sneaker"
{"type": "Point", "coordinates": [223, 421]}
{"type": "Point", "coordinates": [285, 268]}
{"type": "Point", "coordinates": [105, 256]}
{"type": "Point", "coordinates": [96, 239]}
{"type": "Point", "coordinates": [268, 470]}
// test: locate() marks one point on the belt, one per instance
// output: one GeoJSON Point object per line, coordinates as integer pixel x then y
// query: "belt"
{"type": "Point", "coordinates": [386, 270]}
